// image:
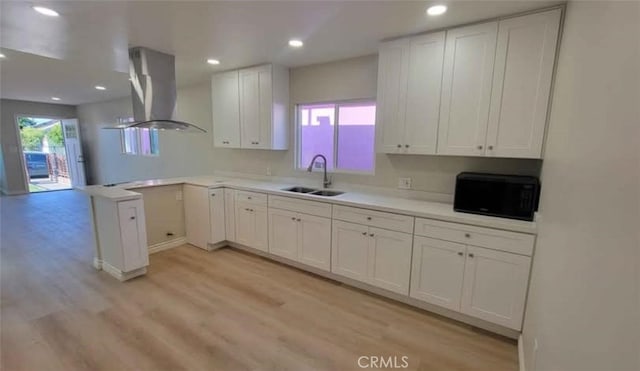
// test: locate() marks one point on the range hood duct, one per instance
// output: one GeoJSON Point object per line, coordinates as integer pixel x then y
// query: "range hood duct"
{"type": "Point", "coordinates": [153, 90]}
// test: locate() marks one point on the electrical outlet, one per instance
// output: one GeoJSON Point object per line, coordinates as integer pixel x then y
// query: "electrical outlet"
{"type": "Point", "coordinates": [404, 183]}
{"type": "Point", "coordinates": [178, 195]}
{"type": "Point", "coordinates": [268, 170]}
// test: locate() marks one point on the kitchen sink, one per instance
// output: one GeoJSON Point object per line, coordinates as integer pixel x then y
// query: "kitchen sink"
{"type": "Point", "coordinates": [300, 189]}
{"type": "Point", "coordinates": [326, 193]}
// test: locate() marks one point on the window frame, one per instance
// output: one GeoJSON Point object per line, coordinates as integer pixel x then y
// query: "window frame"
{"type": "Point", "coordinates": [336, 117]}
{"type": "Point", "coordinates": [137, 141]}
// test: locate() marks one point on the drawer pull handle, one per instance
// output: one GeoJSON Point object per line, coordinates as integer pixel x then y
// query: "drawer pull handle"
{"type": "Point", "coordinates": [371, 234]}
{"type": "Point", "coordinates": [467, 235]}
{"type": "Point", "coordinates": [213, 195]}
{"type": "Point", "coordinates": [471, 255]}
{"type": "Point", "coordinates": [293, 219]}
{"type": "Point", "coordinates": [368, 218]}
{"type": "Point", "coordinates": [249, 198]}
{"type": "Point", "coordinates": [298, 219]}
{"type": "Point", "coordinates": [364, 233]}
{"type": "Point", "coordinates": [132, 217]}
{"type": "Point", "coordinates": [460, 253]}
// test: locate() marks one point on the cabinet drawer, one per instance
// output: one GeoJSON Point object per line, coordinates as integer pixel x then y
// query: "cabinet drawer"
{"type": "Point", "coordinates": [518, 243]}
{"type": "Point", "coordinates": [301, 206]}
{"type": "Point", "coordinates": [252, 198]}
{"type": "Point", "coordinates": [395, 222]}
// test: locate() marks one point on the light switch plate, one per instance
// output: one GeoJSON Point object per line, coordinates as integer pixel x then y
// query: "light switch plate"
{"type": "Point", "coordinates": [404, 183]}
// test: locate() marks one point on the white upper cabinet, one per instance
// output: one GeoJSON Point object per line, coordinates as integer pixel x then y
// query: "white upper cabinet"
{"type": "Point", "coordinates": [225, 104]}
{"type": "Point", "coordinates": [409, 82]}
{"type": "Point", "coordinates": [466, 89]}
{"type": "Point", "coordinates": [525, 56]}
{"type": "Point", "coordinates": [423, 93]}
{"type": "Point", "coordinates": [264, 102]}
{"type": "Point", "coordinates": [250, 108]}
{"type": "Point", "coordinates": [392, 88]}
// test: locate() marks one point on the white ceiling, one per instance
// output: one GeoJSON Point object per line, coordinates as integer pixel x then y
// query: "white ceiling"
{"type": "Point", "coordinates": [87, 45]}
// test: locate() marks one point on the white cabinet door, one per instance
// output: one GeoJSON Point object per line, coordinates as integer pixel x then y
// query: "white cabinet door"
{"type": "Point", "coordinates": [225, 105]}
{"type": "Point", "coordinates": [245, 224]}
{"type": "Point", "coordinates": [265, 84]}
{"type": "Point", "coordinates": [249, 108]}
{"type": "Point", "coordinates": [230, 214]}
{"type": "Point", "coordinates": [283, 233]}
{"type": "Point", "coordinates": [314, 241]}
{"type": "Point", "coordinates": [262, 228]}
{"type": "Point", "coordinates": [525, 56]}
{"type": "Point", "coordinates": [350, 250]}
{"type": "Point", "coordinates": [133, 235]}
{"type": "Point", "coordinates": [256, 100]}
{"type": "Point", "coordinates": [390, 260]}
{"type": "Point", "coordinates": [393, 66]}
{"type": "Point", "coordinates": [196, 215]}
{"type": "Point", "coordinates": [495, 286]}
{"type": "Point", "coordinates": [437, 271]}
{"type": "Point", "coordinates": [252, 226]}
{"type": "Point", "coordinates": [217, 228]}
{"type": "Point", "coordinates": [466, 89]}
{"type": "Point", "coordinates": [426, 54]}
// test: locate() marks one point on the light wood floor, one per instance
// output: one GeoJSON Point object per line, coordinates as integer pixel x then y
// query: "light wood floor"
{"type": "Point", "coordinates": [225, 310]}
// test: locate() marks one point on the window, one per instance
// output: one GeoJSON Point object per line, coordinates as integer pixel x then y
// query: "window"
{"type": "Point", "coordinates": [139, 141]}
{"type": "Point", "coordinates": [343, 132]}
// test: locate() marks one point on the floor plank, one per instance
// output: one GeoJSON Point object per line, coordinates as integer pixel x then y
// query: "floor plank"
{"type": "Point", "coordinates": [194, 310]}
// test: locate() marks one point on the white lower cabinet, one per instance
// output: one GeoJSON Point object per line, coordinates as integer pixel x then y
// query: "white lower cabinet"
{"type": "Point", "coordinates": [437, 271]}
{"type": "Point", "coordinates": [300, 237]}
{"type": "Point", "coordinates": [252, 225]}
{"type": "Point", "coordinates": [350, 250]}
{"type": "Point", "coordinates": [390, 260]}
{"type": "Point", "coordinates": [133, 235]}
{"type": "Point", "coordinates": [495, 286]}
{"type": "Point", "coordinates": [372, 255]}
{"type": "Point", "coordinates": [230, 214]}
{"type": "Point", "coordinates": [480, 282]}
{"type": "Point", "coordinates": [204, 212]}
{"type": "Point", "coordinates": [283, 233]}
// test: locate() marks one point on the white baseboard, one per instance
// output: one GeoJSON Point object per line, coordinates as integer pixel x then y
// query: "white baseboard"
{"type": "Point", "coordinates": [97, 263]}
{"type": "Point", "coordinates": [167, 245]}
{"type": "Point", "coordinates": [120, 275]}
{"type": "Point", "coordinates": [521, 354]}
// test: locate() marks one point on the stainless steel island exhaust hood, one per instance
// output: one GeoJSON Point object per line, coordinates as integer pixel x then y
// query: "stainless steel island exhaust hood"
{"type": "Point", "coordinates": [153, 90]}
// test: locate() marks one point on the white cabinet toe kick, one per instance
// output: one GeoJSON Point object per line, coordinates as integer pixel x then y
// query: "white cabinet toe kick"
{"type": "Point", "coordinates": [476, 275]}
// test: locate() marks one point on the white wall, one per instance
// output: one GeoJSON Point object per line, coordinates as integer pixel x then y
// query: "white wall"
{"type": "Point", "coordinates": [180, 153]}
{"type": "Point", "coordinates": [12, 175]}
{"type": "Point", "coordinates": [584, 302]}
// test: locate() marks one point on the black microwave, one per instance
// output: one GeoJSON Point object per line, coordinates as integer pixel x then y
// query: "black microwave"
{"type": "Point", "coordinates": [506, 196]}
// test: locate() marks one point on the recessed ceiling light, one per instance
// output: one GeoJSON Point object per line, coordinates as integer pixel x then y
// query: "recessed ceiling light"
{"type": "Point", "coordinates": [99, 87]}
{"type": "Point", "coordinates": [437, 9]}
{"type": "Point", "coordinates": [46, 11]}
{"type": "Point", "coordinates": [55, 98]}
{"type": "Point", "coordinates": [295, 43]}
{"type": "Point", "coordinates": [215, 62]}
{"type": "Point", "coordinates": [2, 56]}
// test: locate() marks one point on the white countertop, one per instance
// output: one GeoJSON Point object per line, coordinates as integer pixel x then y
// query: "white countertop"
{"type": "Point", "coordinates": [418, 208]}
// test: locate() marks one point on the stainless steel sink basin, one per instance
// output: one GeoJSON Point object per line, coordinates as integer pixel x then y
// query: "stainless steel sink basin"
{"type": "Point", "coordinates": [327, 193]}
{"type": "Point", "coordinates": [300, 189]}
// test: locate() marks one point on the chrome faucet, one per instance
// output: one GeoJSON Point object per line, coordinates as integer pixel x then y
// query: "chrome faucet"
{"type": "Point", "coordinates": [327, 180]}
